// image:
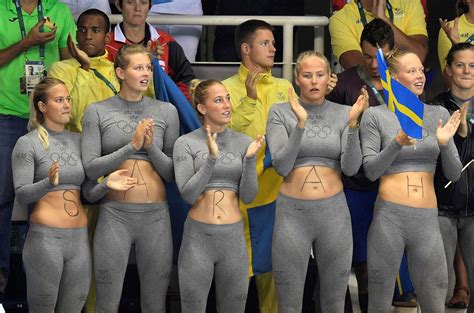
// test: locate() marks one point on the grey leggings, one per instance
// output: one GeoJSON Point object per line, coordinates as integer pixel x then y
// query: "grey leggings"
{"type": "Point", "coordinates": [147, 226]}
{"type": "Point", "coordinates": [324, 225]}
{"type": "Point", "coordinates": [397, 228]}
{"type": "Point", "coordinates": [58, 269]}
{"type": "Point", "coordinates": [460, 230]}
{"type": "Point", "coordinates": [211, 250]}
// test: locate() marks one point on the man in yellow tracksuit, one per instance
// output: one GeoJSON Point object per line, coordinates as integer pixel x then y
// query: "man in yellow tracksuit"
{"type": "Point", "coordinates": [253, 90]}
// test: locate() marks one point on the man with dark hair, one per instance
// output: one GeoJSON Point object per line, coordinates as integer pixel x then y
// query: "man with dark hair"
{"type": "Point", "coordinates": [135, 30]}
{"type": "Point", "coordinates": [253, 90]}
{"type": "Point", "coordinates": [89, 75]}
{"type": "Point", "coordinates": [405, 17]}
{"type": "Point", "coordinates": [360, 191]}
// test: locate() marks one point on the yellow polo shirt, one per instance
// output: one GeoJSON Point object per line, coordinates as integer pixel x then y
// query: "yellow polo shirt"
{"type": "Point", "coordinates": [466, 30]}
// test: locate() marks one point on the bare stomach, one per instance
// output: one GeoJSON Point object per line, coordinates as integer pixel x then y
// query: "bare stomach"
{"type": "Point", "coordinates": [61, 209]}
{"type": "Point", "coordinates": [414, 189]}
{"type": "Point", "coordinates": [216, 206]}
{"type": "Point", "coordinates": [312, 183]}
{"type": "Point", "coordinates": [150, 187]}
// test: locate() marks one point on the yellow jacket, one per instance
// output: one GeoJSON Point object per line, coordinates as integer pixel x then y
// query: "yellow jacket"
{"type": "Point", "coordinates": [84, 86]}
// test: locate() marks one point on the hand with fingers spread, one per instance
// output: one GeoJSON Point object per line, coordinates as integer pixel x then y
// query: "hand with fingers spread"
{"type": "Point", "coordinates": [446, 132]}
{"type": "Point", "coordinates": [404, 140]}
{"type": "Point", "coordinates": [361, 104]}
{"type": "Point", "coordinates": [149, 133]}
{"type": "Point", "coordinates": [452, 32]}
{"type": "Point", "coordinates": [139, 137]}
{"type": "Point", "coordinates": [251, 83]}
{"type": "Point", "coordinates": [53, 173]}
{"type": "Point", "coordinates": [35, 37]}
{"type": "Point", "coordinates": [297, 108]}
{"type": "Point", "coordinates": [211, 142]}
{"type": "Point", "coordinates": [78, 54]}
{"type": "Point", "coordinates": [331, 84]}
{"type": "Point", "coordinates": [119, 180]}
{"type": "Point", "coordinates": [255, 146]}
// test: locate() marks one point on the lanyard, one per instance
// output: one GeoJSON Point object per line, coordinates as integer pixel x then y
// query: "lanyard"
{"type": "Point", "coordinates": [105, 80]}
{"type": "Point", "coordinates": [362, 13]}
{"type": "Point", "coordinates": [470, 39]}
{"type": "Point", "coordinates": [365, 77]}
{"type": "Point", "coordinates": [22, 23]}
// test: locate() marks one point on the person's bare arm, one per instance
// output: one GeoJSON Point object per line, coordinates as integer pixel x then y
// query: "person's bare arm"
{"type": "Point", "coordinates": [351, 58]}
{"type": "Point", "coordinates": [34, 37]}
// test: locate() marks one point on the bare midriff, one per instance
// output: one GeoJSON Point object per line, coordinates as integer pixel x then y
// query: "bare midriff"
{"type": "Point", "coordinates": [216, 206]}
{"type": "Point", "coordinates": [414, 189]}
{"type": "Point", "coordinates": [60, 209]}
{"type": "Point", "coordinates": [312, 183]}
{"type": "Point", "coordinates": [150, 187]}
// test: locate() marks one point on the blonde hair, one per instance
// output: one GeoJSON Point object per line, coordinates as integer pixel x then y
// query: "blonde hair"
{"type": "Point", "coordinates": [310, 53]}
{"type": "Point", "coordinates": [122, 59]}
{"type": "Point", "coordinates": [198, 92]}
{"type": "Point", "coordinates": [393, 57]}
{"type": "Point", "coordinates": [40, 93]}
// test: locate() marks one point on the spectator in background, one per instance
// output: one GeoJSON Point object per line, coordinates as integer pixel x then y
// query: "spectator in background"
{"type": "Point", "coordinates": [461, 29]}
{"type": "Point", "coordinates": [456, 202]}
{"type": "Point", "coordinates": [79, 6]}
{"type": "Point", "coordinates": [25, 41]}
{"type": "Point", "coordinates": [405, 17]}
{"type": "Point", "coordinates": [135, 30]}
{"type": "Point", "coordinates": [187, 36]}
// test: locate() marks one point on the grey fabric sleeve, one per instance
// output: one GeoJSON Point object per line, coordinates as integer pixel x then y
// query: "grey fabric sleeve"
{"type": "Point", "coordinates": [351, 154]}
{"type": "Point", "coordinates": [450, 160]}
{"type": "Point", "coordinates": [248, 186]}
{"type": "Point", "coordinates": [93, 191]}
{"type": "Point", "coordinates": [283, 148]}
{"type": "Point", "coordinates": [375, 161]}
{"type": "Point", "coordinates": [163, 159]}
{"type": "Point", "coordinates": [23, 167]}
{"type": "Point", "coordinates": [96, 165]}
{"type": "Point", "coordinates": [190, 184]}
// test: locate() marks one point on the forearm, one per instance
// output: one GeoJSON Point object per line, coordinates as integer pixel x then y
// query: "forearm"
{"type": "Point", "coordinates": [98, 166]}
{"type": "Point", "coordinates": [417, 44]}
{"type": "Point", "coordinates": [285, 154]}
{"type": "Point", "coordinates": [94, 191]}
{"type": "Point", "coordinates": [10, 53]}
{"type": "Point", "coordinates": [351, 157]}
{"type": "Point", "coordinates": [29, 193]}
{"type": "Point", "coordinates": [248, 186]}
{"type": "Point", "coordinates": [162, 163]}
{"type": "Point", "coordinates": [450, 161]}
{"type": "Point", "coordinates": [192, 187]}
{"type": "Point", "coordinates": [375, 164]}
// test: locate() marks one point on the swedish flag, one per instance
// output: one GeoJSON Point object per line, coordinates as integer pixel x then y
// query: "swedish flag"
{"type": "Point", "coordinates": [406, 105]}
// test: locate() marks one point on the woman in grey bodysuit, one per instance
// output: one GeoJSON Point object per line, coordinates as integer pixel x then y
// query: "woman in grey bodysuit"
{"type": "Point", "coordinates": [311, 141]}
{"type": "Point", "coordinates": [131, 131]}
{"type": "Point", "coordinates": [214, 166]}
{"type": "Point", "coordinates": [405, 213]}
{"type": "Point", "coordinates": [48, 173]}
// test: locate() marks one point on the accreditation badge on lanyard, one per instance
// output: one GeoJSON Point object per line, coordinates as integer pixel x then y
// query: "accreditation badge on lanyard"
{"type": "Point", "coordinates": [34, 71]}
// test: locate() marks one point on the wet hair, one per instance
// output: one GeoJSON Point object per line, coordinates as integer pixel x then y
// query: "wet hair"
{"type": "Point", "coordinates": [461, 7]}
{"type": "Point", "coordinates": [245, 32]}
{"type": "Point", "coordinates": [310, 53]}
{"type": "Point", "coordinates": [455, 49]}
{"type": "Point", "coordinates": [122, 59]}
{"type": "Point", "coordinates": [377, 32]}
{"type": "Point", "coordinates": [198, 91]}
{"type": "Point", "coordinates": [393, 57]}
{"type": "Point", "coordinates": [149, 3]}
{"type": "Point", "coordinates": [95, 12]}
{"type": "Point", "coordinates": [41, 93]}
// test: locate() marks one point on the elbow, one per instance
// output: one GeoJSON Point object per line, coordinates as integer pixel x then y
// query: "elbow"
{"type": "Point", "coordinates": [281, 169]}
{"type": "Point", "coordinates": [21, 196]}
{"type": "Point", "coordinates": [455, 175]}
{"type": "Point", "coordinates": [350, 170]}
{"type": "Point", "coordinates": [248, 197]}
{"type": "Point", "coordinates": [370, 173]}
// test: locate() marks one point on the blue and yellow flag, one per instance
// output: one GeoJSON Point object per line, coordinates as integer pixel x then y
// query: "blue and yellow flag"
{"type": "Point", "coordinates": [406, 105]}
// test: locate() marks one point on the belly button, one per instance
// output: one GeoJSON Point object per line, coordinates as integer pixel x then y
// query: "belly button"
{"type": "Point", "coordinates": [218, 216]}
{"type": "Point", "coordinates": [415, 190]}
